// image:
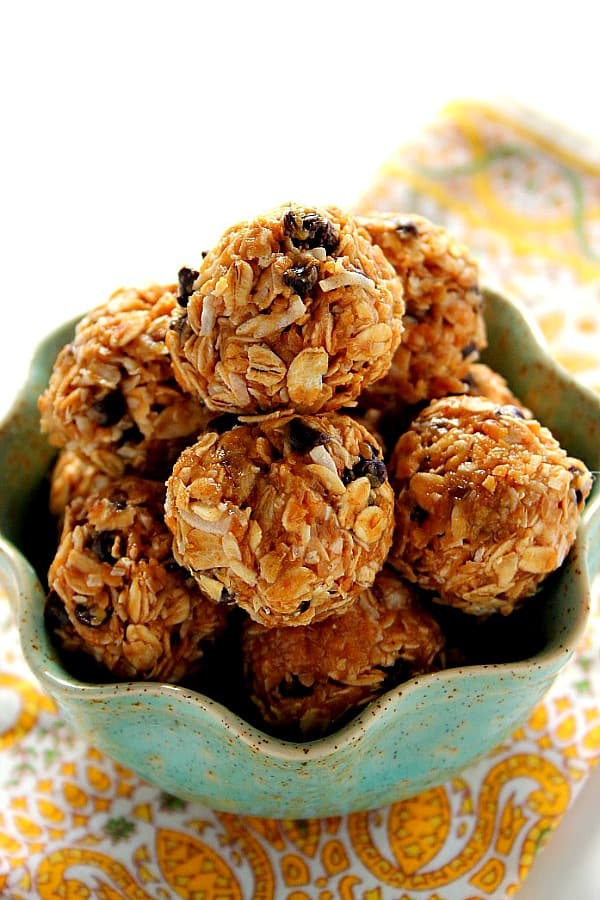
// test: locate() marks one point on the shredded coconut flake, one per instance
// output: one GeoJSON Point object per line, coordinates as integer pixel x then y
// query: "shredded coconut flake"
{"type": "Point", "coordinates": [345, 279]}
{"type": "Point", "coordinates": [194, 521]}
{"type": "Point", "coordinates": [208, 317]}
{"type": "Point", "coordinates": [320, 456]}
{"type": "Point", "coordinates": [262, 325]}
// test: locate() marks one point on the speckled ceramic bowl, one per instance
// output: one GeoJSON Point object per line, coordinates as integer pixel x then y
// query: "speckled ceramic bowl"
{"type": "Point", "coordinates": [415, 736]}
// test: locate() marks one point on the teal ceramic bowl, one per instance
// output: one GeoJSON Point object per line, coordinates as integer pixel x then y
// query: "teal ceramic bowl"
{"type": "Point", "coordinates": [415, 736]}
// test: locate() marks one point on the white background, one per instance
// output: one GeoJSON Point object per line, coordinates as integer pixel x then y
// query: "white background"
{"type": "Point", "coordinates": [134, 132]}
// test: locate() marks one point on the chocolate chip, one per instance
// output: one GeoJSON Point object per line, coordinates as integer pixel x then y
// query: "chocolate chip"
{"type": "Point", "coordinates": [311, 230]}
{"type": "Point", "coordinates": [406, 228]}
{"type": "Point", "coordinates": [458, 491]}
{"type": "Point", "coordinates": [291, 226]}
{"type": "Point", "coordinates": [178, 324]}
{"type": "Point", "coordinates": [303, 606]}
{"type": "Point", "coordinates": [578, 497]}
{"type": "Point", "coordinates": [90, 616]}
{"type": "Point", "coordinates": [186, 278]}
{"type": "Point", "coordinates": [304, 437]}
{"type": "Point", "coordinates": [226, 598]}
{"type": "Point", "coordinates": [109, 410]}
{"type": "Point", "coordinates": [132, 435]}
{"type": "Point", "coordinates": [510, 410]}
{"type": "Point", "coordinates": [293, 687]}
{"type": "Point", "coordinates": [301, 279]}
{"type": "Point", "coordinates": [101, 545]}
{"type": "Point", "coordinates": [373, 469]}
{"type": "Point", "coordinates": [418, 514]}
{"type": "Point", "coordinates": [468, 349]}
{"type": "Point", "coordinates": [118, 498]}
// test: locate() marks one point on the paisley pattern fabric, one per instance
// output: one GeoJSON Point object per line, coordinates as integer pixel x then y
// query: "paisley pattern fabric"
{"type": "Point", "coordinates": [74, 824]}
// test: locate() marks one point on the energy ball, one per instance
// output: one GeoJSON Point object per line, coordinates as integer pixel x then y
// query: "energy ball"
{"type": "Point", "coordinates": [112, 396]}
{"type": "Point", "coordinates": [443, 323]}
{"type": "Point", "coordinates": [289, 517]}
{"type": "Point", "coordinates": [118, 596]}
{"type": "Point", "coordinates": [481, 381]}
{"type": "Point", "coordinates": [304, 681]}
{"type": "Point", "coordinates": [487, 503]}
{"type": "Point", "coordinates": [296, 309]}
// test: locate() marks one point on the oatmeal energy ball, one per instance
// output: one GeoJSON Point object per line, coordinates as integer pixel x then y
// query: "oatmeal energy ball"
{"type": "Point", "coordinates": [487, 503]}
{"type": "Point", "coordinates": [296, 309]}
{"type": "Point", "coordinates": [443, 323]}
{"type": "Point", "coordinates": [112, 396]}
{"type": "Point", "coordinates": [290, 517]}
{"type": "Point", "coordinates": [306, 679]}
{"type": "Point", "coordinates": [116, 593]}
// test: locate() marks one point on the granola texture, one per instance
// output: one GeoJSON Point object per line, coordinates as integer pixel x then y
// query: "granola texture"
{"type": "Point", "coordinates": [305, 681]}
{"type": "Point", "coordinates": [487, 503]}
{"type": "Point", "coordinates": [112, 396]}
{"type": "Point", "coordinates": [296, 309]}
{"type": "Point", "coordinates": [117, 595]}
{"type": "Point", "coordinates": [290, 517]}
{"type": "Point", "coordinates": [444, 329]}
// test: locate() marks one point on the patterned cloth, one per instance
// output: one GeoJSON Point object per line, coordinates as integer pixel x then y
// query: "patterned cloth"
{"type": "Point", "coordinates": [74, 824]}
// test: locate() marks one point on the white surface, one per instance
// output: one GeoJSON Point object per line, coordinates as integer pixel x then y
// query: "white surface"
{"type": "Point", "coordinates": [134, 132]}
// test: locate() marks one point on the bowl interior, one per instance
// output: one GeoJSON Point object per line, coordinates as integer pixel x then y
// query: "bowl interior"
{"type": "Point", "coordinates": [515, 350]}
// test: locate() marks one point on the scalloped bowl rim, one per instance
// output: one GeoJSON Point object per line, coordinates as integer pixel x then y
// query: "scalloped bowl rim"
{"type": "Point", "coordinates": [245, 731]}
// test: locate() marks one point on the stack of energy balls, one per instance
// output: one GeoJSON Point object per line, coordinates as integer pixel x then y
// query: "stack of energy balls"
{"type": "Point", "coordinates": [296, 445]}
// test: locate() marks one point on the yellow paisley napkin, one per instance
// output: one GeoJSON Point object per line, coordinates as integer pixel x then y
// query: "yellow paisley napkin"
{"type": "Point", "coordinates": [74, 824]}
